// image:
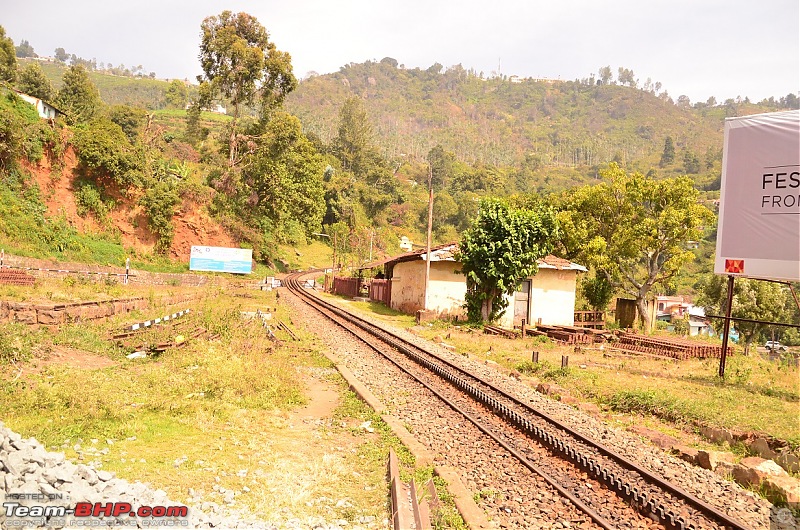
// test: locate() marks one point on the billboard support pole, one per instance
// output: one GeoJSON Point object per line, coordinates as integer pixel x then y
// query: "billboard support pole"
{"type": "Point", "coordinates": [726, 328]}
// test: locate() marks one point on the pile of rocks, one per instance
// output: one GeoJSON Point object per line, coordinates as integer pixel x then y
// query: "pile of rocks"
{"type": "Point", "coordinates": [35, 483]}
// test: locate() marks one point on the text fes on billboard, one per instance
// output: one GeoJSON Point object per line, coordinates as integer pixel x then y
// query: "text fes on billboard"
{"type": "Point", "coordinates": [758, 235]}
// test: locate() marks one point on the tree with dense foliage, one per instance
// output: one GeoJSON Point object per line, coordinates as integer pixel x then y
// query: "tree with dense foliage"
{"type": "Point", "coordinates": [605, 75]}
{"type": "Point", "coordinates": [32, 81]}
{"type": "Point", "coordinates": [598, 291]}
{"type": "Point", "coordinates": [500, 250]}
{"type": "Point", "coordinates": [25, 50]}
{"type": "Point", "coordinates": [177, 95]}
{"type": "Point", "coordinates": [61, 55]}
{"type": "Point", "coordinates": [243, 66]}
{"type": "Point", "coordinates": [752, 299]}
{"type": "Point", "coordinates": [442, 164]}
{"type": "Point", "coordinates": [668, 155]}
{"type": "Point", "coordinates": [691, 162]}
{"type": "Point", "coordinates": [159, 202]}
{"type": "Point", "coordinates": [282, 181]}
{"type": "Point", "coordinates": [130, 119]}
{"type": "Point", "coordinates": [353, 143]}
{"type": "Point", "coordinates": [8, 58]}
{"type": "Point", "coordinates": [104, 151]}
{"type": "Point", "coordinates": [78, 96]}
{"type": "Point", "coordinates": [633, 230]}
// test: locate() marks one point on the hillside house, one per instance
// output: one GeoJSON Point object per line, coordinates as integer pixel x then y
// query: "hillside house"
{"type": "Point", "coordinates": [549, 295]}
{"type": "Point", "coordinates": [45, 110]}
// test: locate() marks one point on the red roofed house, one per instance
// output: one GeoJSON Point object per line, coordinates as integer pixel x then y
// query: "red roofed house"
{"type": "Point", "coordinates": [549, 295]}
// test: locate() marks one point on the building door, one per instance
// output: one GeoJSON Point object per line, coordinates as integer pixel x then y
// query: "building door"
{"type": "Point", "coordinates": [521, 306]}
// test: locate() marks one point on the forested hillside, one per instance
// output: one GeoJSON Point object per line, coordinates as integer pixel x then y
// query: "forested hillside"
{"type": "Point", "coordinates": [556, 130]}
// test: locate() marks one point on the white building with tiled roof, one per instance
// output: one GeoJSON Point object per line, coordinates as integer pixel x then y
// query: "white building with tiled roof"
{"type": "Point", "coordinates": [549, 295]}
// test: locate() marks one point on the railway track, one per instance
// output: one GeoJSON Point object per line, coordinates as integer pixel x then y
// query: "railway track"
{"type": "Point", "coordinates": [609, 489]}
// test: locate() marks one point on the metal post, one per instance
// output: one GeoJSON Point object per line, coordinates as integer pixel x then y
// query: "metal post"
{"type": "Point", "coordinates": [333, 268]}
{"type": "Point", "coordinates": [726, 328]}
{"type": "Point", "coordinates": [523, 328]}
{"type": "Point", "coordinates": [535, 356]}
{"type": "Point", "coordinates": [564, 361]}
{"type": "Point", "coordinates": [127, 269]}
{"type": "Point", "coordinates": [430, 225]}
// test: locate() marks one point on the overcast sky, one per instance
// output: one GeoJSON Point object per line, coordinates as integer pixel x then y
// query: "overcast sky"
{"type": "Point", "coordinates": [698, 48]}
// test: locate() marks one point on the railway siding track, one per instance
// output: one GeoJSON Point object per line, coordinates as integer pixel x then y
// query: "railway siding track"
{"type": "Point", "coordinates": [651, 495]}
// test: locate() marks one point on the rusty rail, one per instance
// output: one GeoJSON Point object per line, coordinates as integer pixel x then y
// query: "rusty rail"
{"type": "Point", "coordinates": [563, 443]}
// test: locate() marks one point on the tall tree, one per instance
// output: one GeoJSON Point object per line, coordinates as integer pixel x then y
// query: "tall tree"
{"type": "Point", "coordinates": [354, 135]}
{"type": "Point", "coordinates": [500, 250]}
{"type": "Point", "coordinates": [633, 230]}
{"type": "Point", "coordinates": [668, 155]}
{"type": "Point", "coordinates": [177, 95]}
{"type": "Point", "coordinates": [25, 49]}
{"type": "Point", "coordinates": [241, 64]}
{"type": "Point", "coordinates": [33, 81]}
{"type": "Point", "coordinates": [61, 55]}
{"type": "Point", "coordinates": [605, 75]}
{"type": "Point", "coordinates": [8, 58]}
{"type": "Point", "coordinates": [282, 179]}
{"type": "Point", "coordinates": [353, 143]}
{"type": "Point", "coordinates": [78, 96]}
{"type": "Point", "coordinates": [442, 165]}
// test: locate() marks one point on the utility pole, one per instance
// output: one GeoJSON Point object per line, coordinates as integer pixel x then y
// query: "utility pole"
{"type": "Point", "coordinates": [430, 226]}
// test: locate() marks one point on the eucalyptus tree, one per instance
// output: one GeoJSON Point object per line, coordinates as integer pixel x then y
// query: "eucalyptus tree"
{"type": "Point", "coordinates": [242, 65]}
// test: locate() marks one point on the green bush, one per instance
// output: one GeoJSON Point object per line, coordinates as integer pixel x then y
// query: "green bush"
{"type": "Point", "coordinates": [159, 201]}
{"type": "Point", "coordinates": [89, 198]}
{"type": "Point", "coordinates": [104, 151]}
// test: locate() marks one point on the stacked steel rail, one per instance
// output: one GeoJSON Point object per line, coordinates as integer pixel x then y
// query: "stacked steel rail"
{"type": "Point", "coordinates": [670, 347]}
{"type": "Point", "coordinates": [649, 493]}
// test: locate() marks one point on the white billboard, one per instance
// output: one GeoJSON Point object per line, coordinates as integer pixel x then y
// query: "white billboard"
{"type": "Point", "coordinates": [758, 235]}
{"type": "Point", "coordinates": [221, 259]}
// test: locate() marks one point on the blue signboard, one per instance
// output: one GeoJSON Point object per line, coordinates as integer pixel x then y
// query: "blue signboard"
{"type": "Point", "coordinates": [221, 259]}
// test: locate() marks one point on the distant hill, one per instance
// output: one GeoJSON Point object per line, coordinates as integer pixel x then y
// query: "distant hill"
{"type": "Point", "coordinates": [565, 129]}
{"type": "Point", "coordinates": [501, 121]}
